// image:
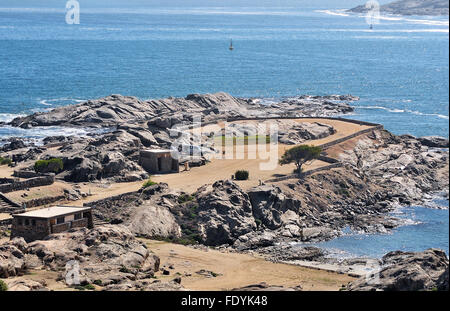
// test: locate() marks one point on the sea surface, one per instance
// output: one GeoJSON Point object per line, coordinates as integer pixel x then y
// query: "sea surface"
{"type": "Point", "coordinates": [423, 228]}
{"type": "Point", "coordinates": [399, 69]}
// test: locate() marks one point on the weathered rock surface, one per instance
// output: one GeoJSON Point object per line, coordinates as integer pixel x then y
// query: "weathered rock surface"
{"type": "Point", "coordinates": [408, 271]}
{"type": "Point", "coordinates": [12, 258]}
{"type": "Point", "coordinates": [165, 113]}
{"type": "Point", "coordinates": [402, 164]}
{"type": "Point", "coordinates": [434, 141]}
{"type": "Point", "coordinates": [13, 144]}
{"type": "Point", "coordinates": [301, 132]}
{"type": "Point", "coordinates": [106, 254]}
{"type": "Point", "coordinates": [25, 285]}
{"type": "Point", "coordinates": [224, 213]}
{"type": "Point", "coordinates": [145, 213]}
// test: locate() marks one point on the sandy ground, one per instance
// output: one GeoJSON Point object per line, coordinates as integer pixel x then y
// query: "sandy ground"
{"type": "Point", "coordinates": [232, 269]}
{"type": "Point", "coordinates": [6, 171]}
{"type": "Point", "coordinates": [238, 270]}
{"type": "Point", "coordinates": [189, 181]}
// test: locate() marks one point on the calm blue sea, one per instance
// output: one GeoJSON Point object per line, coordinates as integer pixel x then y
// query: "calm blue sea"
{"type": "Point", "coordinates": [400, 69]}
{"type": "Point", "coordinates": [425, 228]}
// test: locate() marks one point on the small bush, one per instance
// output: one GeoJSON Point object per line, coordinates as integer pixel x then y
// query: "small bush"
{"type": "Point", "coordinates": [5, 161]}
{"type": "Point", "coordinates": [54, 165]}
{"type": "Point", "coordinates": [241, 175]}
{"type": "Point", "coordinates": [185, 198]}
{"type": "Point", "coordinates": [98, 282]}
{"type": "Point", "coordinates": [89, 287]}
{"type": "Point", "coordinates": [258, 223]}
{"type": "Point", "coordinates": [3, 286]}
{"type": "Point", "coordinates": [148, 183]}
{"type": "Point", "coordinates": [124, 269]}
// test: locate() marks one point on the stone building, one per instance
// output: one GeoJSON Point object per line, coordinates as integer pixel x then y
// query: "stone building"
{"type": "Point", "coordinates": [36, 225]}
{"type": "Point", "coordinates": [158, 161]}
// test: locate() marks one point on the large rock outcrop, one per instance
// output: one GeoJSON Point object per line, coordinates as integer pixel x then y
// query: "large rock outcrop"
{"type": "Point", "coordinates": [272, 207]}
{"type": "Point", "coordinates": [408, 271]}
{"type": "Point", "coordinates": [412, 171]}
{"type": "Point", "coordinates": [104, 255]}
{"type": "Point", "coordinates": [164, 113]}
{"type": "Point", "coordinates": [145, 213]}
{"type": "Point", "coordinates": [224, 213]}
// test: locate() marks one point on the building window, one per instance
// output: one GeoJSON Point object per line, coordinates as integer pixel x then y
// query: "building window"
{"type": "Point", "coordinates": [27, 222]}
{"type": "Point", "coordinates": [77, 216]}
{"type": "Point", "coordinates": [20, 222]}
{"type": "Point", "coordinates": [33, 222]}
{"type": "Point", "coordinates": [60, 220]}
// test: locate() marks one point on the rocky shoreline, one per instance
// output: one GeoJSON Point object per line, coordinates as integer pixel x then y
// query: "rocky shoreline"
{"type": "Point", "coordinates": [379, 172]}
{"type": "Point", "coordinates": [410, 7]}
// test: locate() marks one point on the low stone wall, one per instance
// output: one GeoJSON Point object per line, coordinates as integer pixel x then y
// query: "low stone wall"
{"type": "Point", "coordinates": [341, 140]}
{"type": "Point", "coordinates": [44, 201]}
{"type": "Point", "coordinates": [307, 173]}
{"type": "Point", "coordinates": [110, 200]}
{"type": "Point", "coordinates": [6, 180]}
{"type": "Point", "coordinates": [29, 183]}
{"type": "Point", "coordinates": [13, 206]}
{"type": "Point", "coordinates": [232, 119]}
{"type": "Point", "coordinates": [26, 174]}
{"type": "Point", "coordinates": [328, 159]}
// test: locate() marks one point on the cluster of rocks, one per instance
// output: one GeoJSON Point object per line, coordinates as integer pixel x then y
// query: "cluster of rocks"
{"type": "Point", "coordinates": [107, 256]}
{"type": "Point", "coordinates": [404, 165]}
{"type": "Point", "coordinates": [408, 271]}
{"type": "Point", "coordinates": [13, 144]}
{"type": "Point", "coordinates": [164, 113]}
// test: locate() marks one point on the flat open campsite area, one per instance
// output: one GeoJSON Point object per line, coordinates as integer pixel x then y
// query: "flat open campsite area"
{"type": "Point", "coordinates": [217, 169]}
{"type": "Point", "coordinates": [233, 270]}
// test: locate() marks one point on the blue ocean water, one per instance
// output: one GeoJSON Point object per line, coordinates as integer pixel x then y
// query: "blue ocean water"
{"type": "Point", "coordinates": [426, 228]}
{"type": "Point", "coordinates": [400, 69]}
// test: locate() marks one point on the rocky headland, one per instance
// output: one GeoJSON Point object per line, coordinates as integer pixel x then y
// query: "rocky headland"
{"type": "Point", "coordinates": [379, 171]}
{"type": "Point", "coordinates": [410, 7]}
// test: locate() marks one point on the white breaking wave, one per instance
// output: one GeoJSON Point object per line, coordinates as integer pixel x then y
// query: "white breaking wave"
{"type": "Point", "coordinates": [405, 111]}
{"type": "Point", "coordinates": [395, 18]}
{"type": "Point", "coordinates": [50, 102]}
{"type": "Point", "coordinates": [333, 12]}
{"type": "Point", "coordinates": [37, 134]}
{"type": "Point", "coordinates": [428, 114]}
{"type": "Point", "coordinates": [7, 117]}
{"type": "Point", "coordinates": [440, 30]}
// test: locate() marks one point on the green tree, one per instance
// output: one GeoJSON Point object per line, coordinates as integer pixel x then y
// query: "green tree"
{"type": "Point", "coordinates": [3, 286]}
{"type": "Point", "coordinates": [300, 155]}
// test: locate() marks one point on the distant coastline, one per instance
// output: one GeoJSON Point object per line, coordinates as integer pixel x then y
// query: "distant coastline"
{"type": "Point", "coordinates": [410, 7]}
